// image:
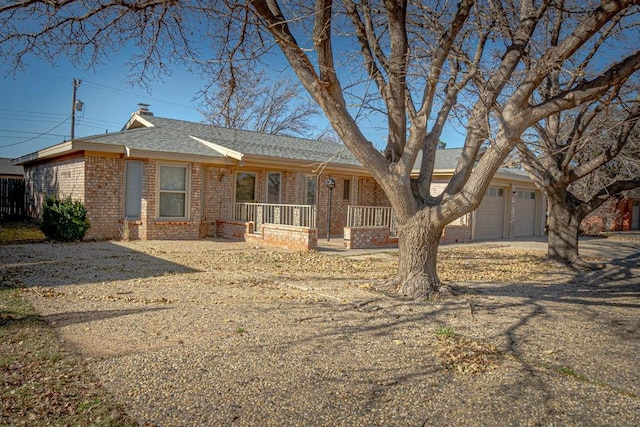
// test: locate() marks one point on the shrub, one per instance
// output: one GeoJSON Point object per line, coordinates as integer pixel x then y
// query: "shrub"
{"type": "Point", "coordinates": [64, 220]}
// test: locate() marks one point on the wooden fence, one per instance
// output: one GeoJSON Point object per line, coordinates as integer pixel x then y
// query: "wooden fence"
{"type": "Point", "coordinates": [12, 197]}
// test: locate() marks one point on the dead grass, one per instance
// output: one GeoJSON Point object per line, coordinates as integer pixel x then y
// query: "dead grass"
{"type": "Point", "coordinates": [20, 232]}
{"type": "Point", "coordinates": [42, 383]}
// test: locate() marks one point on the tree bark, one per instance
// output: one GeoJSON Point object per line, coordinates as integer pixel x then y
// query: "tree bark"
{"type": "Point", "coordinates": [417, 278]}
{"type": "Point", "coordinates": [564, 226]}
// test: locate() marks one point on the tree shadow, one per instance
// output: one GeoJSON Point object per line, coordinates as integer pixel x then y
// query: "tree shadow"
{"type": "Point", "coordinates": [60, 320]}
{"type": "Point", "coordinates": [59, 264]}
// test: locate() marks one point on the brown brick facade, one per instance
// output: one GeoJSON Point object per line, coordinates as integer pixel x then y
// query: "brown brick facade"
{"type": "Point", "coordinates": [104, 180]}
{"type": "Point", "coordinates": [99, 182]}
{"type": "Point", "coordinates": [60, 178]}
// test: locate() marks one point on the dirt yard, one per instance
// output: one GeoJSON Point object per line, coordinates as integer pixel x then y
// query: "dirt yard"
{"type": "Point", "coordinates": [216, 333]}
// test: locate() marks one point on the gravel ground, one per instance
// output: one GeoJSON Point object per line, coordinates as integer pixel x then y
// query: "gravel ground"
{"type": "Point", "coordinates": [198, 333]}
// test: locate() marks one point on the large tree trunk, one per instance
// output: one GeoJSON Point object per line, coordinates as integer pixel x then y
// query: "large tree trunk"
{"type": "Point", "coordinates": [418, 242]}
{"type": "Point", "coordinates": [564, 226]}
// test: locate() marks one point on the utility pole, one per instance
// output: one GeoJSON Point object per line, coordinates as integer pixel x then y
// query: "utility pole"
{"type": "Point", "coordinates": [76, 83]}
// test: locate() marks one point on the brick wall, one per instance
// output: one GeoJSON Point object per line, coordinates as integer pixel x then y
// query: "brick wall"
{"type": "Point", "coordinates": [60, 178]}
{"type": "Point", "coordinates": [378, 237]}
{"type": "Point", "coordinates": [104, 178]}
{"type": "Point", "coordinates": [456, 234]}
{"type": "Point", "coordinates": [219, 184]}
{"type": "Point", "coordinates": [368, 238]}
{"type": "Point", "coordinates": [290, 237]}
{"type": "Point", "coordinates": [234, 230]}
{"type": "Point", "coordinates": [284, 236]}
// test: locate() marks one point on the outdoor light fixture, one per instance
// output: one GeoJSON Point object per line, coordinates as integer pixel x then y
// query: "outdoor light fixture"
{"type": "Point", "coordinates": [331, 184]}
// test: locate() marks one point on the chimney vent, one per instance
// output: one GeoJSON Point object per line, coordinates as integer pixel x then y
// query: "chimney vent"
{"type": "Point", "coordinates": [143, 110]}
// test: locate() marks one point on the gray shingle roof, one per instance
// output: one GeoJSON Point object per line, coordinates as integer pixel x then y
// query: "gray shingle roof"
{"type": "Point", "coordinates": [447, 160]}
{"type": "Point", "coordinates": [7, 168]}
{"type": "Point", "coordinates": [173, 136]}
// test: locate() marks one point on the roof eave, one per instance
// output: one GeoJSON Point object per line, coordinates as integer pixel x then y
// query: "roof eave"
{"type": "Point", "coordinates": [67, 147]}
{"type": "Point", "coordinates": [280, 163]}
{"type": "Point", "coordinates": [180, 157]}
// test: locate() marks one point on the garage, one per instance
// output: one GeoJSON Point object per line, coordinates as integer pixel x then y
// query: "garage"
{"type": "Point", "coordinates": [489, 217]}
{"type": "Point", "coordinates": [525, 213]}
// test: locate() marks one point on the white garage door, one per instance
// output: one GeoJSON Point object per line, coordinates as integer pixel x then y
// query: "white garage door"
{"type": "Point", "coordinates": [635, 216]}
{"type": "Point", "coordinates": [489, 217]}
{"type": "Point", "coordinates": [525, 220]}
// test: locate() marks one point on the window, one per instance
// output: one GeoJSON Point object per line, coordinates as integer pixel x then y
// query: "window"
{"type": "Point", "coordinates": [173, 191]}
{"type": "Point", "coordinates": [311, 190]}
{"type": "Point", "coordinates": [521, 194]}
{"type": "Point", "coordinates": [494, 192]}
{"type": "Point", "coordinates": [346, 195]}
{"type": "Point", "coordinates": [246, 187]}
{"type": "Point", "coordinates": [133, 189]}
{"type": "Point", "coordinates": [273, 187]}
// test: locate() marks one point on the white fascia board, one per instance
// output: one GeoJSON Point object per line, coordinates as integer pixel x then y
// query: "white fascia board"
{"type": "Point", "coordinates": [219, 148]}
{"type": "Point", "coordinates": [58, 149]}
{"type": "Point", "coordinates": [135, 117]}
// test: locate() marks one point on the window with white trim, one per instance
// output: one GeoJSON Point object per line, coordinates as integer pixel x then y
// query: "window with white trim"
{"type": "Point", "coordinates": [173, 195]}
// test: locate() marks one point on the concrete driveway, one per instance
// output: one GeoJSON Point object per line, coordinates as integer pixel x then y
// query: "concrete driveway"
{"type": "Point", "coordinates": [621, 246]}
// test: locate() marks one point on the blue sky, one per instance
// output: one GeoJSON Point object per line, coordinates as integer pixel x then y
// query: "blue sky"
{"type": "Point", "coordinates": [38, 101]}
{"type": "Point", "coordinates": [35, 104]}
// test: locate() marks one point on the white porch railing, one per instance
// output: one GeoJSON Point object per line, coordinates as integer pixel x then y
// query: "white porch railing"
{"type": "Point", "coordinates": [268, 213]}
{"type": "Point", "coordinates": [372, 216]}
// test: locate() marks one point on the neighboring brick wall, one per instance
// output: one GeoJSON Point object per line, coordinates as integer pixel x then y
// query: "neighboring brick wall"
{"type": "Point", "coordinates": [60, 178]}
{"type": "Point", "coordinates": [104, 178]}
{"type": "Point", "coordinates": [368, 238]}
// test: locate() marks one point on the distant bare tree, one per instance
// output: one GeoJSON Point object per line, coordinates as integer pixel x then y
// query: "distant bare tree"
{"type": "Point", "coordinates": [581, 159]}
{"type": "Point", "coordinates": [247, 100]}
{"type": "Point", "coordinates": [416, 64]}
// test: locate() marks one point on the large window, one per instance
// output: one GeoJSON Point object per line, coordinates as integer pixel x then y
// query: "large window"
{"type": "Point", "coordinates": [311, 190]}
{"type": "Point", "coordinates": [273, 187]}
{"type": "Point", "coordinates": [245, 187]}
{"type": "Point", "coordinates": [133, 189]}
{"type": "Point", "coordinates": [173, 191]}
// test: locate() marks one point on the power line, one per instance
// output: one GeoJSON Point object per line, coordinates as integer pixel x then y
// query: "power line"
{"type": "Point", "coordinates": [26, 132]}
{"type": "Point", "coordinates": [37, 136]}
{"type": "Point", "coordinates": [124, 92]}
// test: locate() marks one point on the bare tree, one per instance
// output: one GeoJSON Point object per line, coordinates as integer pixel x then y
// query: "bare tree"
{"type": "Point", "coordinates": [578, 160]}
{"type": "Point", "coordinates": [247, 100]}
{"type": "Point", "coordinates": [420, 65]}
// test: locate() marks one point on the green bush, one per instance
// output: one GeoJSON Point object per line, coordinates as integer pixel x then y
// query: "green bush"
{"type": "Point", "coordinates": [64, 220]}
